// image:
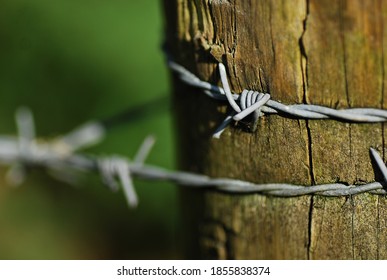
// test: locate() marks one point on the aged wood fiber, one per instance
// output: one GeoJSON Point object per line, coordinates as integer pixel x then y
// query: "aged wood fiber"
{"type": "Point", "coordinates": [326, 52]}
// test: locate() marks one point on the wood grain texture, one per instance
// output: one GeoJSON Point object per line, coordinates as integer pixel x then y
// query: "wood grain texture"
{"type": "Point", "coordinates": [329, 53]}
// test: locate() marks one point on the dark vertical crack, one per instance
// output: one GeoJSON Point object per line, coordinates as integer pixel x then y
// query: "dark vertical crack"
{"type": "Point", "coordinates": [304, 57]}
{"type": "Point", "coordinates": [377, 228]}
{"type": "Point", "coordinates": [353, 227]}
{"type": "Point", "coordinates": [310, 219]}
{"type": "Point", "coordinates": [383, 142]}
{"type": "Point", "coordinates": [234, 32]}
{"type": "Point", "coordinates": [311, 205]}
{"type": "Point", "coordinates": [214, 24]}
{"type": "Point", "coordinates": [304, 71]}
{"type": "Point", "coordinates": [311, 173]}
{"type": "Point", "coordinates": [271, 31]}
{"type": "Point", "coordinates": [235, 43]}
{"type": "Point", "coordinates": [342, 37]}
{"type": "Point", "coordinates": [382, 66]}
{"type": "Point", "coordinates": [383, 76]}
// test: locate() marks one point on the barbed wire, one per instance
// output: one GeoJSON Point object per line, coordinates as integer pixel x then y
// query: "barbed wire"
{"type": "Point", "coordinates": [261, 103]}
{"type": "Point", "coordinates": [61, 156]}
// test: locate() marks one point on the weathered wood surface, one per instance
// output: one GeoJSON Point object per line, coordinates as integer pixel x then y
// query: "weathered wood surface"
{"type": "Point", "coordinates": [320, 52]}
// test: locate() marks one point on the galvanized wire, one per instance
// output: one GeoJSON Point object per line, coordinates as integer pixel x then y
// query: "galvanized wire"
{"type": "Point", "coordinates": [10, 153]}
{"type": "Point", "coordinates": [261, 103]}
{"type": "Point", "coordinates": [60, 156]}
{"type": "Point", "coordinates": [55, 156]}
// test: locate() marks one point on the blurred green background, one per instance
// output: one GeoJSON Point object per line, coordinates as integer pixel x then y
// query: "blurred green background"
{"type": "Point", "coordinates": [71, 61]}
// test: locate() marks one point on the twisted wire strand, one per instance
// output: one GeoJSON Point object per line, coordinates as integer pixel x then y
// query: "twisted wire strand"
{"type": "Point", "coordinates": [118, 171]}
{"type": "Point", "coordinates": [61, 154]}
{"type": "Point", "coordinates": [60, 157]}
{"type": "Point", "coordinates": [124, 169]}
{"type": "Point", "coordinates": [251, 101]}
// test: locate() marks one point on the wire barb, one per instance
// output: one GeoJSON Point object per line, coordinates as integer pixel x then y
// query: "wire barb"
{"type": "Point", "coordinates": [252, 101]}
{"type": "Point", "coordinates": [113, 167]}
{"type": "Point", "coordinates": [116, 170]}
{"type": "Point", "coordinates": [144, 150]}
{"type": "Point", "coordinates": [379, 164]}
{"type": "Point", "coordinates": [88, 134]}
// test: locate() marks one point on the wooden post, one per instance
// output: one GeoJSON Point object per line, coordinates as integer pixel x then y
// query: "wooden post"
{"type": "Point", "coordinates": [321, 52]}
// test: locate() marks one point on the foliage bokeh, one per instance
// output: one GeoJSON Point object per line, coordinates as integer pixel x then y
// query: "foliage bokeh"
{"type": "Point", "coordinates": [71, 61]}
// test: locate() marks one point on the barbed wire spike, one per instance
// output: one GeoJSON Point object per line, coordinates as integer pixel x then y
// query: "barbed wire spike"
{"type": "Point", "coordinates": [26, 130]}
{"type": "Point", "coordinates": [25, 125]}
{"type": "Point", "coordinates": [112, 167]}
{"type": "Point", "coordinates": [304, 111]}
{"type": "Point", "coordinates": [116, 171]}
{"type": "Point", "coordinates": [226, 88]}
{"type": "Point", "coordinates": [86, 135]}
{"type": "Point", "coordinates": [223, 126]}
{"type": "Point", "coordinates": [144, 150]}
{"type": "Point", "coordinates": [379, 164]}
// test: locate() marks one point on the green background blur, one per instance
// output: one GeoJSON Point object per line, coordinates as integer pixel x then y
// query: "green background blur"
{"type": "Point", "coordinates": [71, 61]}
